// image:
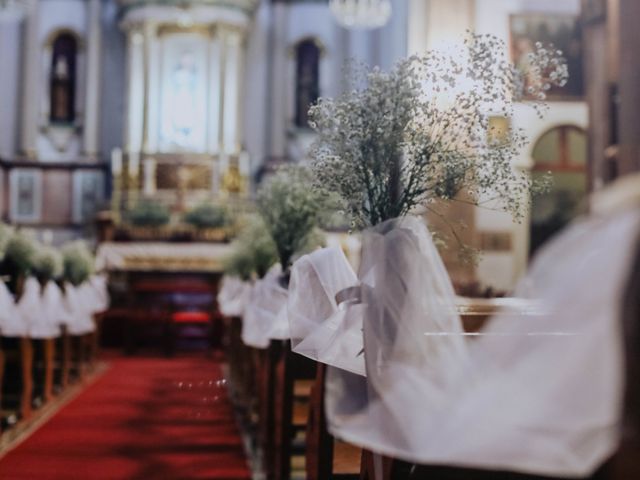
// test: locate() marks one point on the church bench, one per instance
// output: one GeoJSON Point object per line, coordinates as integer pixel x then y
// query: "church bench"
{"type": "Point", "coordinates": [44, 369]}
{"type": "Point", "coordinates": [290, 412]}
{"type": "Point", "coordinates": [17, 377]}
{"type": "Point", "coordinates": [327, 458]}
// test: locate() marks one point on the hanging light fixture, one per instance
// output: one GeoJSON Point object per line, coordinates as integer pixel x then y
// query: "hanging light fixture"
{"type": "Point", "coordinates": [366, 14]}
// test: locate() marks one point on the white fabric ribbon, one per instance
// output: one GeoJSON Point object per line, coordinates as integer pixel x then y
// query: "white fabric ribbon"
{"type": "Point", "coordinates": [536, 394]}
{"type": "Point", "coordinates": [233, 296]}
{"type": "Point", "coordinates": [80, 305]}
{"type": "Point", "coordinates": [261, 321]}
{"type": "Point", "coordinates": [11, 323]}
{"type": "Point", "coordinates": [34, 314]}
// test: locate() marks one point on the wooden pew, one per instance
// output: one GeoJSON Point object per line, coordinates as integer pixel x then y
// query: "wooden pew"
{"type": "Point", "coordinates": [44, 366]}
{"type": "Point", "coordinates": [474, 315]}
{"type": "Point", "coordinates": [326, 457]}
{"type": "Point", "coordinates": [62, 360]}
{"type": "Point", "coordinates": [290, 412]}
{"type": "Point", "coordinates": [17, 378]}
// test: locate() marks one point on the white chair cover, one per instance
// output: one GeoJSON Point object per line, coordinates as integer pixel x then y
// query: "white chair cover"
{"type": "Point", "coordinates": [11, 323]}
{"type": "Point", "coordinates": [267, 299]}
{"type": "Point", "coordinates": [320, 329]}
{"type": "Point", "coordinates": [79, 304]}
{"type": "Point", "coordinates": [537, 394]}
{"type": "Point", "coordinates": [233, 296]}
{"type": "Point", "coordinates": [53, 306]}
{"type": "Point", "coordinates": [33, 312]}
{"type": "Point", "coordinates": [100, 290]}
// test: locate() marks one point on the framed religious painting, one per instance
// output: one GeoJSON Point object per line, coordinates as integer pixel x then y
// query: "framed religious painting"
{"type": "Point", "coordinates": [561, 31]}
{"type": "Point", "coordinates": [26, 195]}
{"type": "Point", "coordinates": [88, 194]}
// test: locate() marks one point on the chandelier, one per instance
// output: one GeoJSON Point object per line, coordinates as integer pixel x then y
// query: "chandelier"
{"type": "Point", "coordinates": [367, 14]}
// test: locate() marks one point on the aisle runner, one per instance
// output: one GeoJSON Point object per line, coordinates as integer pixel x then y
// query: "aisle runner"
{"type": "Point", "coordinates": [144, 419]}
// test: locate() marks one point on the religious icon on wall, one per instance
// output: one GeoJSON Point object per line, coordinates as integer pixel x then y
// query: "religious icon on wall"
{"type": "Point", "coordinates": [564, 33]}
{"type": "Point", "coordinates": [62, 79]}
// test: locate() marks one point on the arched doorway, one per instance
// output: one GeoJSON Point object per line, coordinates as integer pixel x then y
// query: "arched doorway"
{"type": "Point", "coordinates": [562, 152]}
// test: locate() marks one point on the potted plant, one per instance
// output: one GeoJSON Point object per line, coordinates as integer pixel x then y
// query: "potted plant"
{"type": "Point", "coordinates": [147, 218]}
{"type": "Point", "coordinates": [209, 221]}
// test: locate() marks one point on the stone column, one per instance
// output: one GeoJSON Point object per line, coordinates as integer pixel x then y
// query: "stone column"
{"type": "Point", "coordinates": [153, 76]}
{"type": "Point", "coordinates": [9, 81]}
{"type": "Point", "coordinates": [135, 91]}
{"type": "Point", "coordinates": [31, 84]}
{"type": "Point", "coordinates": [215, 94]}
{"type": "Point", "coordinates": [92, 97]}
{"type": "Point", "coordinates": [277, 115]}
{"type": "Point", "coordinates": [232, 92]}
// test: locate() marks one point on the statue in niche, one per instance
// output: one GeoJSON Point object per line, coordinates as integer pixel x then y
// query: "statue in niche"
{"type": "Point", "coordinates": [184, 100]}
{"type": "Point", "coordinates": [62, 79]}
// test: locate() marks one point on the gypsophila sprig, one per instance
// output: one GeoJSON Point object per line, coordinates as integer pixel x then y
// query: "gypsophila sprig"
{"type": "Point", "coordinates": [77, 262]}
{"type": "Point", "coordinates": [5, 234]}
{"type": "Point", "coordinates": [290, 208]}
{"type": "Point", "coordinates": [48, 264]}
{"type": "Point", "coordinates": [253, 251]}
{"type": "Point", "coordinates": [421, 132]}
{"type": "Point", "coordinates": [20, 253]}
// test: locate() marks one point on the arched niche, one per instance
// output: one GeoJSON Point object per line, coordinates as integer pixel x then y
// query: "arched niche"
{"type": "Point", "coordinates": [561, 153]}
{"type": "Point", "coordinates": [307, 53]}
{"type": "Point", "coordinates": [64, 46]}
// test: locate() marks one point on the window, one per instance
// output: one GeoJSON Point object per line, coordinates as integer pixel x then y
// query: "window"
{"type": "Point", "coordinates": [88, 193]}
{"type": "Point", "coordinates": [26, 192]}
{"type": "Point", "coordinates": [562, 152]}
{"type": "Point", "coordinates": [307, 79]}
{"type": "Point", "coordinates": [62, 78]}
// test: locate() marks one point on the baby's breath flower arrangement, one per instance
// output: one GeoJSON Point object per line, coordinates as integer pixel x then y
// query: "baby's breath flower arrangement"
{"type": "Point", "coordinates": [77, 262]}
{"type": "Point", "coordinates": [48, 264]}
{"type": "Point", "coordinates": [253, 251]}
{"type": "Point", "coordinates": [20, 253]}
{"type": "Point", "coordinates": [290, 208]}
{"type": "Point", "coordinates": [5, 234]}
{"type": "Point", "coordinates": [421, 132]}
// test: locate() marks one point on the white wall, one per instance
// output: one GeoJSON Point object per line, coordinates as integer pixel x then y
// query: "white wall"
{"type": "Point", "coordinates": [501, 270]}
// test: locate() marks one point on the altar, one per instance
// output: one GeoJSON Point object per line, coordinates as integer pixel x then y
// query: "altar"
{"type": "Point", "coordinates": [183, 138]}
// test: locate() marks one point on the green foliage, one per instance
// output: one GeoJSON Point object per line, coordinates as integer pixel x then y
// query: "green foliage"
{"type": "Point", "coordinates": [148, 213]}
{"type": "Point", "coordinates": [396, 140]}
{"type": "Point", "coordinates": [19, 254]}
{"type": "Point", "coordinates": [48, 264]}
{"type": "Point", "coordinates": [5, 234]}
{"type": "Point", "coordinates": [253, 251]}
{"type": "Point", "coordinates": [77, 262]}
{"type": "Point", "coordinates": [290, 207]}
{"type": "Point", "coordinates": [207, 216]}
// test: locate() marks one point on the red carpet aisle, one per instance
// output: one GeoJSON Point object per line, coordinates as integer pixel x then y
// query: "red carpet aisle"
{"type": "Point", "coordinates": [144, 419]}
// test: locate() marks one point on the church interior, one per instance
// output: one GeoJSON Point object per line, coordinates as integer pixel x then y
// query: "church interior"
{"type": "Point", "coordinates": [319, 239]}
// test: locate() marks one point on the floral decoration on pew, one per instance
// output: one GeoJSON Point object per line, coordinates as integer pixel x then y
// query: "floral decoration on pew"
{"type": "Point", "coordinates": [254, 251]}
{"type": "Point", "coordinates": [292, 209]}
{"type": "Point", "coordinates": [77, 262]}
{"type": "Point", "coordinates": [419, 133]}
